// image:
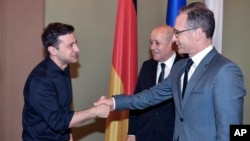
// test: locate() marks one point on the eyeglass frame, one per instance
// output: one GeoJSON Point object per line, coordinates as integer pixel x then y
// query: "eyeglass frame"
{"type": "Point", "coordinates": [176, 32]}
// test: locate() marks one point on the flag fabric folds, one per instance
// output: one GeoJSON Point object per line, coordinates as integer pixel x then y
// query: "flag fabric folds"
{"type": "Point", "coordinates": [173, 10]}
{"type": "Point", "coordinates": [217, 7]}
{"type": "Point", "coordinates": [124, 67]}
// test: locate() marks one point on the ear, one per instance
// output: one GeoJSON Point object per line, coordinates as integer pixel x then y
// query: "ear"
{"type": "Point", "coordinates": [52, 50]}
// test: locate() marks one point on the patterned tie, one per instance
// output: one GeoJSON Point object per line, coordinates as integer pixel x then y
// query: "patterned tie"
{"type": "Point", "coordinates": [185, 79]}
{"type": "Point", "coordinates": [161, 76]}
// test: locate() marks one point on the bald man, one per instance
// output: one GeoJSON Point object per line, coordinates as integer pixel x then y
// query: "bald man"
{"type": "Point", "coordinates": [156, 122]}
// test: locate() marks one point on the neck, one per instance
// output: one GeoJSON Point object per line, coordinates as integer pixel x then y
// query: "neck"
{"type": "Point", "coordinates": [58, 62]}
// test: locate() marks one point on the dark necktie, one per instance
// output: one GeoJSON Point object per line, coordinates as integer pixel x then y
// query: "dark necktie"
{"type": "Point", "coordinates": [161, 76]}
{"type": "Point", "coordinates": [185, 79]}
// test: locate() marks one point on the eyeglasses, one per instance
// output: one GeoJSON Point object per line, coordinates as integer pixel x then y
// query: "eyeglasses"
{"type": "Point", "coordinates": [176, 32]}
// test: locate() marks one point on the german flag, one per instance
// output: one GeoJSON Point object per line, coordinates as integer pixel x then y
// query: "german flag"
{"type": "Point", "coordinates": [124, 66]}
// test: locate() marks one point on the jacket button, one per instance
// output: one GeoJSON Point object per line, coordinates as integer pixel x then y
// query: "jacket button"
{"type": "Point", "coordinates": [181, 119]}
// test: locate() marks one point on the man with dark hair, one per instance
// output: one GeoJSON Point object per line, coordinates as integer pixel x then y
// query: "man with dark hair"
{"type": "Point", "coordinates": [48, 91]}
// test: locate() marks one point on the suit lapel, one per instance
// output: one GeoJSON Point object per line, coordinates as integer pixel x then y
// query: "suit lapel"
{"type": "Point", "coordinates": [154, 74]}
{"type": "Point", "coordinates": [197, 75]}
{"type": "Point", "coordinates": [176, 83]}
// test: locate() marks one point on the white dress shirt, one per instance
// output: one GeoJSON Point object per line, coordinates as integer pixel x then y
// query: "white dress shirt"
{"type": "Point", "coordinates": [196, 59]}
{"type": "Point", "coordinates": [169, 63]}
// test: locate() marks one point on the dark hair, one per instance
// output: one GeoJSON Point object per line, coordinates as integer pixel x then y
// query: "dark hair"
{"type": "Point", "coordinates": [53, 31]}
{"type": "Point", "coordinates": [197, 4]}
{"type": "Point", "coordinates": [199, 16]}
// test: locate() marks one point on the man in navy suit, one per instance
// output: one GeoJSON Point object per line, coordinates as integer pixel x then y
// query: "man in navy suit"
{"type": "Point", "coordinates": [156, 122]}
{"type": "Point", "coordinates": [214, 95]}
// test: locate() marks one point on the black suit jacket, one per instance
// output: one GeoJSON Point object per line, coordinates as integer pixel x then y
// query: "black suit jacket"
{"type": "Point", "coordinates": [155, 123]}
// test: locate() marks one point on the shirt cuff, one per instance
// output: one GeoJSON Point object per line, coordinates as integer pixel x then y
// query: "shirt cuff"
{"type": "Point", "coordinates": [131, 135]}
{"type": "Point", "coordinates": [113, 102]}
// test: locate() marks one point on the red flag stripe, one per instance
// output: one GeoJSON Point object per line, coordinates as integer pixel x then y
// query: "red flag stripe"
{"type": "Point", "coordinates": [125, 45]}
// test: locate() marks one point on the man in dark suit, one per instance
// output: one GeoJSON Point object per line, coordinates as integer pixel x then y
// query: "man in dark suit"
{"type": "Point", "coordinates": [213, 98]}
{"type": "Point", "coordinates": [156, 122]}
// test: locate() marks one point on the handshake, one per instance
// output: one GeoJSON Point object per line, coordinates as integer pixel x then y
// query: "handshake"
{"type": "Point", "coordinates": [103, 106]}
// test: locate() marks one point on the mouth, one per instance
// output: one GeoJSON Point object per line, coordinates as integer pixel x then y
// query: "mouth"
{"type": "Point", "coordinates": [154, 52]}
{"type": "Point", "coordinates": [178, 45]}
{"type": "Point", "coordinates": [75, 56]}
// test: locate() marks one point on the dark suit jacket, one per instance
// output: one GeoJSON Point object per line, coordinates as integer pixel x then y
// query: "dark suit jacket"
{"type": "Point", "coordinates": [156, 122]}
{"type": "Point", "coordinates": [213, 99]}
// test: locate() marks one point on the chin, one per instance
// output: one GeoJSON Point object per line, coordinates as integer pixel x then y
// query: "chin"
{"type": "Point", "coordinates": [181, 51]}
{"type": "Point", "coordinates": [156, 56]}
{"type": "Point", "coordinates": [74, 61]}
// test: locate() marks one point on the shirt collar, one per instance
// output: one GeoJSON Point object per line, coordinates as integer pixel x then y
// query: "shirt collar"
{"type": "Point", "coordinates": [169, 62]}
{"type": "Point", "coordinates": [199, 56]}
{"type": "Point", "coordinates": [52, 67]}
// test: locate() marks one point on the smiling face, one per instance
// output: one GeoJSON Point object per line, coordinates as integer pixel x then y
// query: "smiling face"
{"type": "Point", "coordinates": [66, 51]}
{"type": "Point", "coordinates": [183, 35]}
{"type": "Point", "coordinates": [161, 43]}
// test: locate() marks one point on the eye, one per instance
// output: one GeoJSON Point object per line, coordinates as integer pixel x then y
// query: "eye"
{"type": "Point", "coordinates": [157, 43]}
{"type": "Point", "coordinates": [71, 45]}
{"type": "Point", "coordinates": [176, 31]}
{"type": "Point", "coordinates": [150, 42]}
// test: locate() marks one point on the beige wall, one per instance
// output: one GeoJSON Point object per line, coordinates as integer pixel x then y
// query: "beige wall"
{"type": "Point", "coordinates": [20, 49]}
{"type": "Point", "coordinates": [95, 27]}
{"type": "Point", "coordinates": [236, 41]}
{"type": "Point", "coordinates": [94, 22]}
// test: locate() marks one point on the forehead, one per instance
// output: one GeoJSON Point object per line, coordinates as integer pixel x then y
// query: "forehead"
{"type": "Point", "coordinates": [158, 33]}
{"type": "Point", "coordinates": [159, 38]}
{"type": "Point", "coordinates": [67, 38]}
{"type": "Point", "coordinates": [180, 21]}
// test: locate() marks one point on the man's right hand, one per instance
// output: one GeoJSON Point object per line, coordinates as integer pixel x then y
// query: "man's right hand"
{"type": "Point", "coordinates": [106, 101]}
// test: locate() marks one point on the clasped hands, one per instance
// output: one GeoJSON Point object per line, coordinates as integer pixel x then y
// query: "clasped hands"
{"type": "Point", "coordinates": [103, 106]}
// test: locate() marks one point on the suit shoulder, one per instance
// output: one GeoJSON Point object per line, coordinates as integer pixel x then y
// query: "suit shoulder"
{"type": "Point", "coordinates": [222, 60]}
{"type": "Point", "coordinates": [150, 62]}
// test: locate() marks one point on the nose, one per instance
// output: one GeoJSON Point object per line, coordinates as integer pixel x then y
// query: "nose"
{"type": "Point", "coordinates": [174, 38]}
{"type": "Point", "coordinates": [152, 45]}
{"type": "Point", "coordinates": [76, 48]}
